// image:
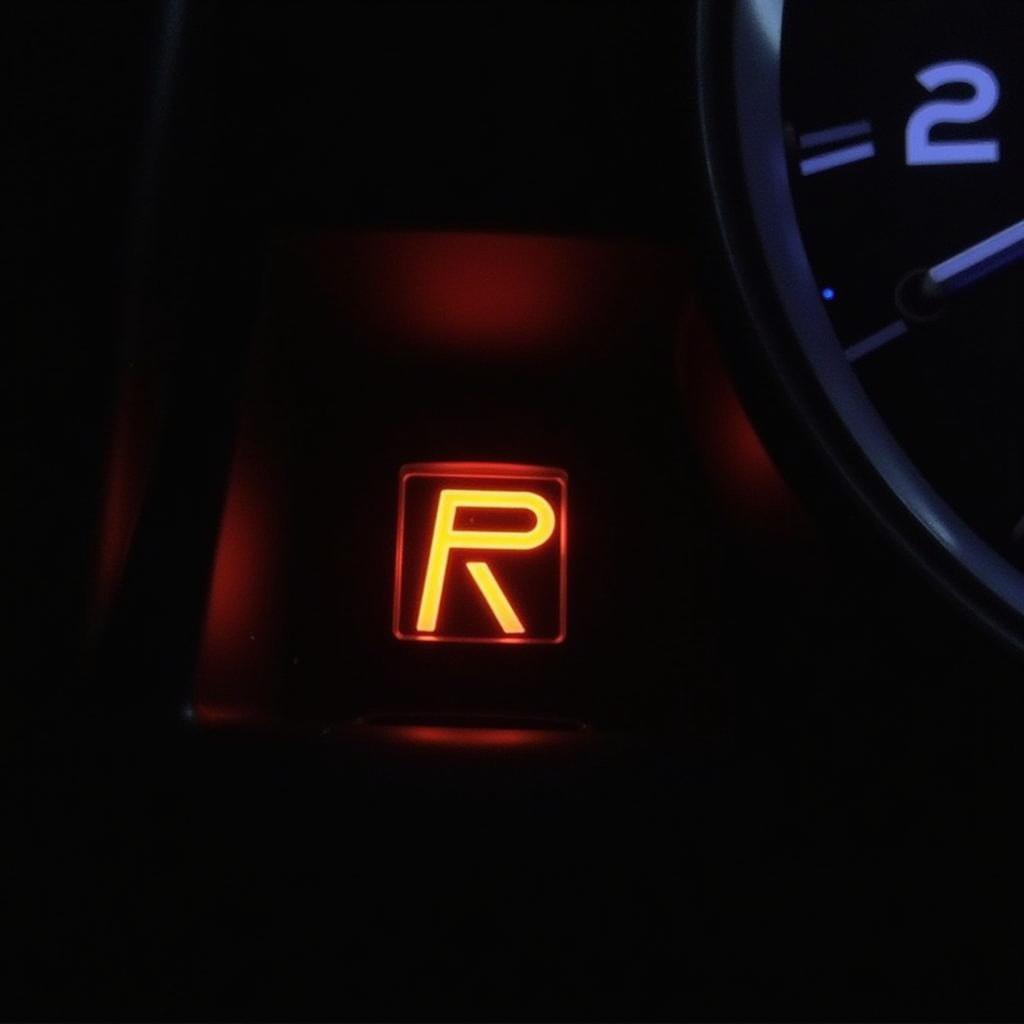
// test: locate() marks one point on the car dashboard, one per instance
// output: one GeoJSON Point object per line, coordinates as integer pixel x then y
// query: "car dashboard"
{"type": "Point", "coordinates": [521, 511]}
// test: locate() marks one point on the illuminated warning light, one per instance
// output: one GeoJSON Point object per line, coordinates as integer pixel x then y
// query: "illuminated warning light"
{"type": "Point", "coordinates": [481, 553]}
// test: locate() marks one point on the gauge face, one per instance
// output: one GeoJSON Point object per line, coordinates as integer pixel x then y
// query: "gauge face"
{"type": "Point", "coordinates": [882, 153]}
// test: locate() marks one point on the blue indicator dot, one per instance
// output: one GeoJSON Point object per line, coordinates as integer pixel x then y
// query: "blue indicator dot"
{"type": "Point", "coordinates": [828, 294]}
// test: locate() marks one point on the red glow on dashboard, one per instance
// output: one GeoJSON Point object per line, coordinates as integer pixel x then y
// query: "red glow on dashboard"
{"type": "Point", "coordinates": [234, 588]}
{"type": "Point", "coordinates": [490, 287]}
{"type": "Point", "coordinates": [474, 738]}
{"type": "Point", "coordinates": [240, 646]}
{"type": "Point", "coordinates": [477, 292]}
{"type": "Point", "coordinates": [739, 466]}
{"type": "Point", "coordinates": [752, 466]}
{"type": "Point", "coordinates": [127, 457]}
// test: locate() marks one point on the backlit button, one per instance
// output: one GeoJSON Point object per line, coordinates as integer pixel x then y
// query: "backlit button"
{"type": "Point", "coordinates": [481, 553]}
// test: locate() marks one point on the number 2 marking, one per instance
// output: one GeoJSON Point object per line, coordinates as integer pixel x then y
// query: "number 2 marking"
{"type": "Point", "coordinates": [920, 147]}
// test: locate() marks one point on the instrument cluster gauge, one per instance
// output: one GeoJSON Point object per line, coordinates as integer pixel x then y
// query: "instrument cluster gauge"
{"type": "Point", "coordinates": [866, 160]}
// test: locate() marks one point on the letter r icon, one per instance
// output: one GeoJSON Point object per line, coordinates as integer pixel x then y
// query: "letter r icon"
{"type": "Point", "coordinates": [481, 553]}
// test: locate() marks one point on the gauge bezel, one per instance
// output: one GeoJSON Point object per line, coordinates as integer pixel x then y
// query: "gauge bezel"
{"type": "Point", "coordinates": [742, 130]}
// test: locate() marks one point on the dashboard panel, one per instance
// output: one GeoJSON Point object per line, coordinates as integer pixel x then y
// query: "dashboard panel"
{"type": "Point", "coordinates": [525, 525]}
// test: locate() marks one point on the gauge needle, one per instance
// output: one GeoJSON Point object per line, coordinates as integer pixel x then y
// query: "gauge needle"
{"type": "Point", "coordinates": [977, 261]}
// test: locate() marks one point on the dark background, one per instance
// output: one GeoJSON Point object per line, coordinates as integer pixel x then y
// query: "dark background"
{"type": "Point", "coordinates": [825, 826]}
